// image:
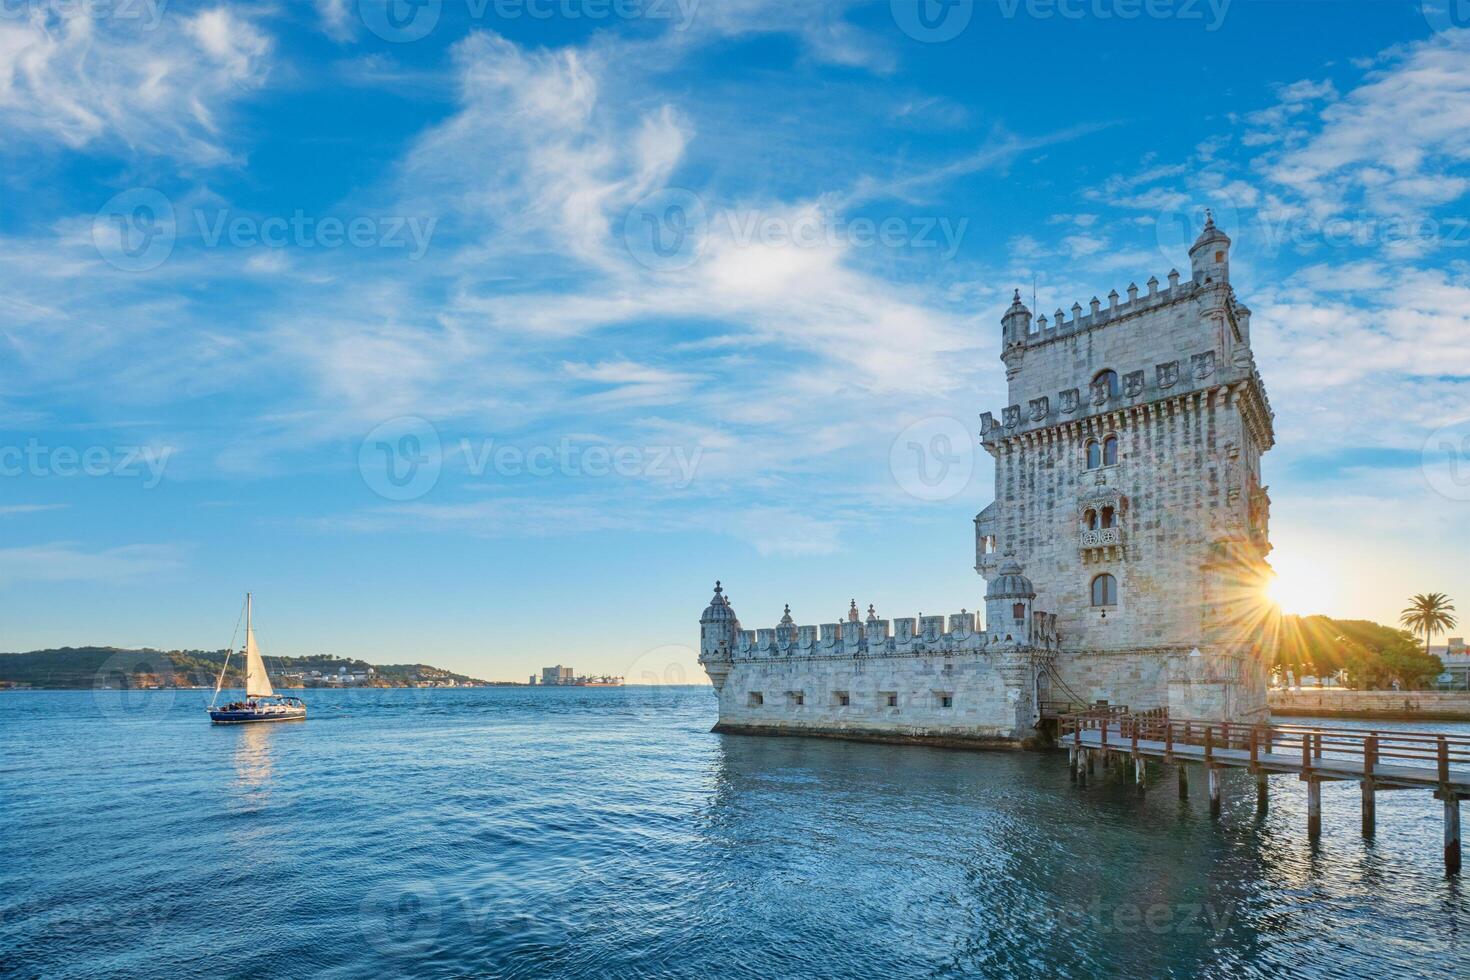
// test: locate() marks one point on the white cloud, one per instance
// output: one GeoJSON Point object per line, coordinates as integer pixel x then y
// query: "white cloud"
{"type": "Point", "coordinates": [115, 84]}
{"type": "Point", "coordinates": [66, 562]}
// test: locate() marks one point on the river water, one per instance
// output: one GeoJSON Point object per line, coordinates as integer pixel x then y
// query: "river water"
{"type": "Point", "coordinates": [605, 832]}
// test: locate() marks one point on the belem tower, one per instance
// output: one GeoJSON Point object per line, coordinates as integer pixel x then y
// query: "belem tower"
{"type": "Point", "coordinates": [1124, 553]}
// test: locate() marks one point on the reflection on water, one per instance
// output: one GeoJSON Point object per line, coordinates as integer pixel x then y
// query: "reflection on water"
{"type": "Point", "coordinates": [253, 756]}
{"type": "Point", "coordinates": [594, 832]}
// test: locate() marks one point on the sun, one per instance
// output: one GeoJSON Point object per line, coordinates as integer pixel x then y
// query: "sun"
{"type": "Point", "coordinates": [1302, 587]}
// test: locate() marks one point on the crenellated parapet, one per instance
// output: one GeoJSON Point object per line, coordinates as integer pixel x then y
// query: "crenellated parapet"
{"type": "Point", "coordinates": [912, 636]}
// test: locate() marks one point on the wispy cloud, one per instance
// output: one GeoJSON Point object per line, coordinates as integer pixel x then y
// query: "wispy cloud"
{"type": "Point", "coordinates": [124, 86]}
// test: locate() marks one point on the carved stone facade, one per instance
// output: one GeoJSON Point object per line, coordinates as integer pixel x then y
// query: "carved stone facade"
{"type": "Point", "coordinates": [1125, 550]}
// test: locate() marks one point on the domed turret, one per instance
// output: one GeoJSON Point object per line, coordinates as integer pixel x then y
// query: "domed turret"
{"type": "Point", "coordinates": [1008, 604]}
{"type": "Point", "coordinates": [1209, 256]}
{"type": "Point", "coordinates": [786, 629]}
{"type": "Point", "coordinates": [1010, 583]}
{"type": "Point", "coordinates": [1016, 324]}
{"type": "Point", "coordinates": [717, 627]}
{"type": "Point", "coordinates": [853, 615]}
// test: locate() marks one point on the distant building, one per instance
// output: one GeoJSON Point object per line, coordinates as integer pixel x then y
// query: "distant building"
{"type": "Point", "coordinates": [560, 676]}
{"type": "Point", "coordinates": [557, 675]}
{"type": "Point", "coordinates": [1456, 658]}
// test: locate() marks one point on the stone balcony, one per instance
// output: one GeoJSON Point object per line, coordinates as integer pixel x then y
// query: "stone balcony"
{"type": "Point", "coordinates": [1102, 544]}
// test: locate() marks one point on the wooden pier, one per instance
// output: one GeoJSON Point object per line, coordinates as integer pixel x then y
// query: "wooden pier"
{"type": "Point", "coordinates": [1377, 760]}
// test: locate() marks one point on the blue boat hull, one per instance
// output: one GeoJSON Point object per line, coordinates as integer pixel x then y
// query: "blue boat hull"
{"type": "Point", "coordinates": [249, 717]}
{"type": "Point", "coordinates": [259, 709]}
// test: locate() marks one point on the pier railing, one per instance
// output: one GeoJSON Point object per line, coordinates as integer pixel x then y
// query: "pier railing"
{"type": "Point", "coordinates": [1310, 744]}
{"type": "Point", "coordinates": [1377, 759]}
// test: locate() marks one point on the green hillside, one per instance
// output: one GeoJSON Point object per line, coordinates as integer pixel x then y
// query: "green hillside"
{"type": "Point", "coordinates": [90, 667]}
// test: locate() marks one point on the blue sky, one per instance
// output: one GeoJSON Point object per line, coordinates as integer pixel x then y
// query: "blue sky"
{"type": "Point", "coordinates": [489, 335]}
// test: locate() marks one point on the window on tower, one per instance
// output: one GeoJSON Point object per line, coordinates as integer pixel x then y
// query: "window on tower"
{"type": "Point", "coordinates": [1110, 451]}
{"type": "Point", "coordinates": [1094, 454]}
{"type": "Point", "coordinates": [1018, 611]}
{"type": "Point", "coordinates": [1104, 591]}
{"type": "Point", "coordinates": [1109, 378]}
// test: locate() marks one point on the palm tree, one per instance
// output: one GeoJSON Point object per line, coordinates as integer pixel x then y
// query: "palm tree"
{"type": "Point", "coordinates": [1429, 614]}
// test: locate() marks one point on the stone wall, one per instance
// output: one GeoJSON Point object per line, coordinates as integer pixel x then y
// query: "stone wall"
{"type": "Point", "coordinates": [981, 708]}
{"type": "Point", "coordinates": [1399, 705]}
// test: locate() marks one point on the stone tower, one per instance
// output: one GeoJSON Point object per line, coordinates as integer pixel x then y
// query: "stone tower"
{"type": "Point", "coordinates": [1128, 485]}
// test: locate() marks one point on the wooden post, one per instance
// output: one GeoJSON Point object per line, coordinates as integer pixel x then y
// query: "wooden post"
{"type": "Point", "coordinates": [1209, 745]}
{"type": "Point", "coordinates": [1314, 809]}
{"type": "Point", "coordinates": [1369, 786]}
{"type": "Point", "coordinates": [1261, 790]}
{"type": "Point", "coordinates": [1268, 738]}
{"type": "Point", "coordinates": [1255, 747]}
{"type": "Point", "coordinates": [1451, 834]}
{"type": "Point", "coordinates": [1140, 773]}
{"type": "Point", "coordinates": [1084, 764]}
{"type": "Point", "coordinates": [1214, 781]}
{"type": "Point", "coordinates": [1318, 752]}
{"type": "Point", "coordinates": [1091, 763]}
{"type": "Point", "coordinates": [1183, 781]}
{"type": "Point", "coordinates": [1168, 740]}
{"type": "Point", "coordinates": [1072, 763]}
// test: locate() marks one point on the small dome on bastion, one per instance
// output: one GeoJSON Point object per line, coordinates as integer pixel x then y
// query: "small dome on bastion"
{"type": "Point", "coordinates": [1010, 583]}
{"type": "Point", "coordinates": [719, 610]}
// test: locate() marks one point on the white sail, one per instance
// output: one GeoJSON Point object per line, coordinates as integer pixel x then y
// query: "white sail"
{"type": "Point", "coordinates": [257, 682]}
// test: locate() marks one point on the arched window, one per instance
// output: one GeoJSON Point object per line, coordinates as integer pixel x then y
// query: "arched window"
{"type": "Point", "coordinates": [1094, 454]}
{"type": "Point", "coordinates": [1018, 611]}
{"type": "Point", "coordinates": [1108, 518]}
{"type": "Point", "coordinates": [1104, 591]}
{"type": "Point", "coordinates": [1110, 378]}
{"type": "Point", "coordinates": [1110, 450]}
{"type": "Point", "coordinates": [1091, 520]}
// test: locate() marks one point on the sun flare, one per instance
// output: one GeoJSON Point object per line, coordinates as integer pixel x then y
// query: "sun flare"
{"type": "Point", "coordinates": [1301, 587]}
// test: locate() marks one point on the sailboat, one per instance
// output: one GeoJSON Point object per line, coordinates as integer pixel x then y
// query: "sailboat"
{"type": "Point", "coordinates": [261, 703]}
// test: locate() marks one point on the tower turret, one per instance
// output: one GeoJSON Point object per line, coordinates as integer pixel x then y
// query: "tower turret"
{"type": "Point", "coordinates": [1209, 256]}
{"type": "Point", "coordinates": [718, 628]}
{"type": "Point", "coordinates": [1016, 324]}
{"type": "Point", "coordinates": [1008, 604]}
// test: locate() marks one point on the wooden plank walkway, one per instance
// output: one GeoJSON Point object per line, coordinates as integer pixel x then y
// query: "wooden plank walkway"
{"type": "Point", "coordinates": [1377, 760]}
